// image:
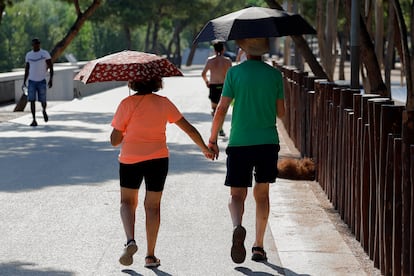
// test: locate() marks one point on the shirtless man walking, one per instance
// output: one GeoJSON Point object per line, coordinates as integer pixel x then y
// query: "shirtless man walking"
{"type": "Point", "coordinates": [218, 66]}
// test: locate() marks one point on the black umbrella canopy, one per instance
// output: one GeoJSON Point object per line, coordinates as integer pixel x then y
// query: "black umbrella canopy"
{"type": "Point", "coordinates": [254, 22]}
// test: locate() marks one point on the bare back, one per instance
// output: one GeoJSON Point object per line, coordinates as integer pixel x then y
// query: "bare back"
{"type": "Point", "coordinates": [218, 66]}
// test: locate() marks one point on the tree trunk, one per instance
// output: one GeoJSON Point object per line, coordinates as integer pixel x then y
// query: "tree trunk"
{"type": "Point", "coordinates": [368, 57]}
{"type": "Point", "coordinates": [147, 36]}
{"type": "Point", "coordinates": [128, 37]}
{"type": "Point", "coordinates": [329, 50]}
{"type": "Point", "coordinates": [391, 35]}
{"type": "Point", "coordinates": [410, 90]}
{"type": "Point", "coordinates": [154, 42]}
{"type": "Point", "coordinates": [368, 14]}
{"type": "Point", "coordinates": [406, 58]}
{"type": "Point", "coordinates": [408, 139]}
{"type": "Point", "coordinates": [287, 52]}
{"type": "Point", "coordinates": [192, 53]}
{"type": "Point", "coordinates": [320, 26]}
{"type": "Point", "coordinates": [303, 48]}
{"type": "Point", "coordinates": [177, 55]}
{"type": "Point", "coordinates": [379, 31]}
{"type": "Point", "coordinates": [344, 37]}
{"type": "Point", "coordinates": [175, 40]}
{"type": "Point", "coordinates": [74, 30]}
{"type": "Point", "coordinates": [2, 8]}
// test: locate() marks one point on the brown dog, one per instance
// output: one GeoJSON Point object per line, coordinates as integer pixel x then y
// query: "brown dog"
{"type": "Point", "coordinates": [296, 169]}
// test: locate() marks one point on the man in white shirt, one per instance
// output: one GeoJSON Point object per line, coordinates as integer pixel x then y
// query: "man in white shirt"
{"type": "Point", "coordinates": [38, 62]}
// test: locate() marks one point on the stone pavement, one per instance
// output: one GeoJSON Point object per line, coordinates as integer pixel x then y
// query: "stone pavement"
{"type": "Point", "coordinates": [59, 199]}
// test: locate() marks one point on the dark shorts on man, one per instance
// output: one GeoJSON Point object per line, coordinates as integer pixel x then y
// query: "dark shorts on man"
{"type": "Point", "coordinates": [154, 172]}
{"type": "Point", "coordinates": [243, 161]}
{"type": "Point", "coordinates": [215, 92]}
{"type": "Point", "coordinates": [36, 90]}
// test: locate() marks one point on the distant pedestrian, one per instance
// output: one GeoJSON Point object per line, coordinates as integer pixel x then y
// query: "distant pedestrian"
{"type": "Point", "coordinates": [257, 91]}
{"type": "Point", "coordinates": [38, 62]}
{"type": "Point", "coordinates": [139, 126]}
{"type": "Point", "coordinates": [218, 66]}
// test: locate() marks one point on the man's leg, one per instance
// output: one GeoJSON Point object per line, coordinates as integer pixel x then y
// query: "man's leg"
{"type": "Point", "coordinates": [33, 110]}
{"type": "Point", "coordinates": [236, 207]}
{"type": "Point", "coordinates": [42, 98]}
{"type": "Point", "coordinates": [236, 204]}
{"type": "Point", "coordinates": [213, 109]}
{"type": "Point", "coordinates": [261, 196]}
{"type": "Point", "coordinates": [45, 117]}
{"type": "Point", "coordinates": [31, 97]}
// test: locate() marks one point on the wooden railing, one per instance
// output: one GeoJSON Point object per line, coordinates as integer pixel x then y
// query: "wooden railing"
{"type": "Point", "coordinates": [356, 143]}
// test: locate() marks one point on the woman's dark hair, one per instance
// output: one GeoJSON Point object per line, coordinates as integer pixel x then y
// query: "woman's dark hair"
{"type": "Point", "coordinates": [146, 87]}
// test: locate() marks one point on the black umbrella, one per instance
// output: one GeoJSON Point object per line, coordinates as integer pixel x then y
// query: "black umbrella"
{"type": "Point", "coordinates": [254, 22]}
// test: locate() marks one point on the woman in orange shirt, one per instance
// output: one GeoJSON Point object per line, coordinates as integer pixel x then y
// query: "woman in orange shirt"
{"type": "Point", "coordinates": [139, 124]}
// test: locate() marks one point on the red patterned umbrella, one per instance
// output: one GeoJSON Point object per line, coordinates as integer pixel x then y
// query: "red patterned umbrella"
{"type": "Point", "coordinates": [127, 66]}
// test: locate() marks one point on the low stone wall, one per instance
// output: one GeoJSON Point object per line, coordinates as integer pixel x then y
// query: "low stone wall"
{"type": "Point", "coordinates": [64, 87]}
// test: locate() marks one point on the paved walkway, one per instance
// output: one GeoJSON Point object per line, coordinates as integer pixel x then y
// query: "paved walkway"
{"type": "Point", "coordinates": [59, 199]}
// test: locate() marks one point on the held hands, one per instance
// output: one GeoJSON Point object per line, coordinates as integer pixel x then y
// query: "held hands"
{"type": "Point", "coordinates": [212, 151]}
{"type": "Point", "coordinates": [214, 148]}
{"type": "Point", "coordinates": [209, 154]}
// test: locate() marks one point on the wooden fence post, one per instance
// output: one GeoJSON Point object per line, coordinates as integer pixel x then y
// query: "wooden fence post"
{"type": "Point", "coordinates": [348, 148]}
{"type": "Point", "coordinates": [374, 107]}
{"type": "Point", "coordinates": [332, 147]}
{"type": "Point", "coordinates": [390, 127]}
{"type": "Point", "coordinates": [356, 164]}
{"type": "Point", "coordinates": [324, 139]}
{"type": "Point", "coordinates": [301, 111]}
{"type": "Point", "coordinates": [309, 95]}
{"type": "Point", "coordinates": [316, 125]}
{"type": "Point", "coordinates": [346, 102]}
{"type": "Point", "coordinates": [412, 209]}
{"type": "Point", "coordinates": [388, 205]}
{"type": "Point", "coordinates": [365, 173]}
{"type": "Point", "coordinates": [288, 94]}
{"type": "Point", "coordinates": [408, 137]}
{"type": "Point", "coordinates": [397, 223]}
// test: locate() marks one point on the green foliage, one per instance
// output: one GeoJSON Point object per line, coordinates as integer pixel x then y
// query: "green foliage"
{"type": "Point", "coordinates": [116, 25]}
{"type": "Point", "coordinates": [47, 20]}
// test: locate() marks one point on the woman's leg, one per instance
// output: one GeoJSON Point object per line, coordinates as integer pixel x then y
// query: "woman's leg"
{"type": "Point", "coordinates": [129, 202]}
{"type": "Point", "coordinates": [152, 212]}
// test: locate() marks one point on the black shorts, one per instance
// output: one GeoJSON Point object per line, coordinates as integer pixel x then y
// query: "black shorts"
{"type": "Point", "coordinates": [215, 92]}
{"type": "Point", "coordinates": [242, 162]}
{"type": "Point", "coordinates": [154, 172]}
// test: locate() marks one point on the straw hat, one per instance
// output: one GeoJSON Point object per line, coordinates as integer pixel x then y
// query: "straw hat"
{"type": "Point", "coordinates": [254, 46]}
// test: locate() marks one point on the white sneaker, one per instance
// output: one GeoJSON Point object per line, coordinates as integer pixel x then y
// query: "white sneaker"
{"type": "Point", "coordinates": [129, 250]}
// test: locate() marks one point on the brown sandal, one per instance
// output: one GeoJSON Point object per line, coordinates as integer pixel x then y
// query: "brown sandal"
{"type": "Point", "coordinates": [155, 262]}
{"type": "Point", "coordinates": [259, 257]}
